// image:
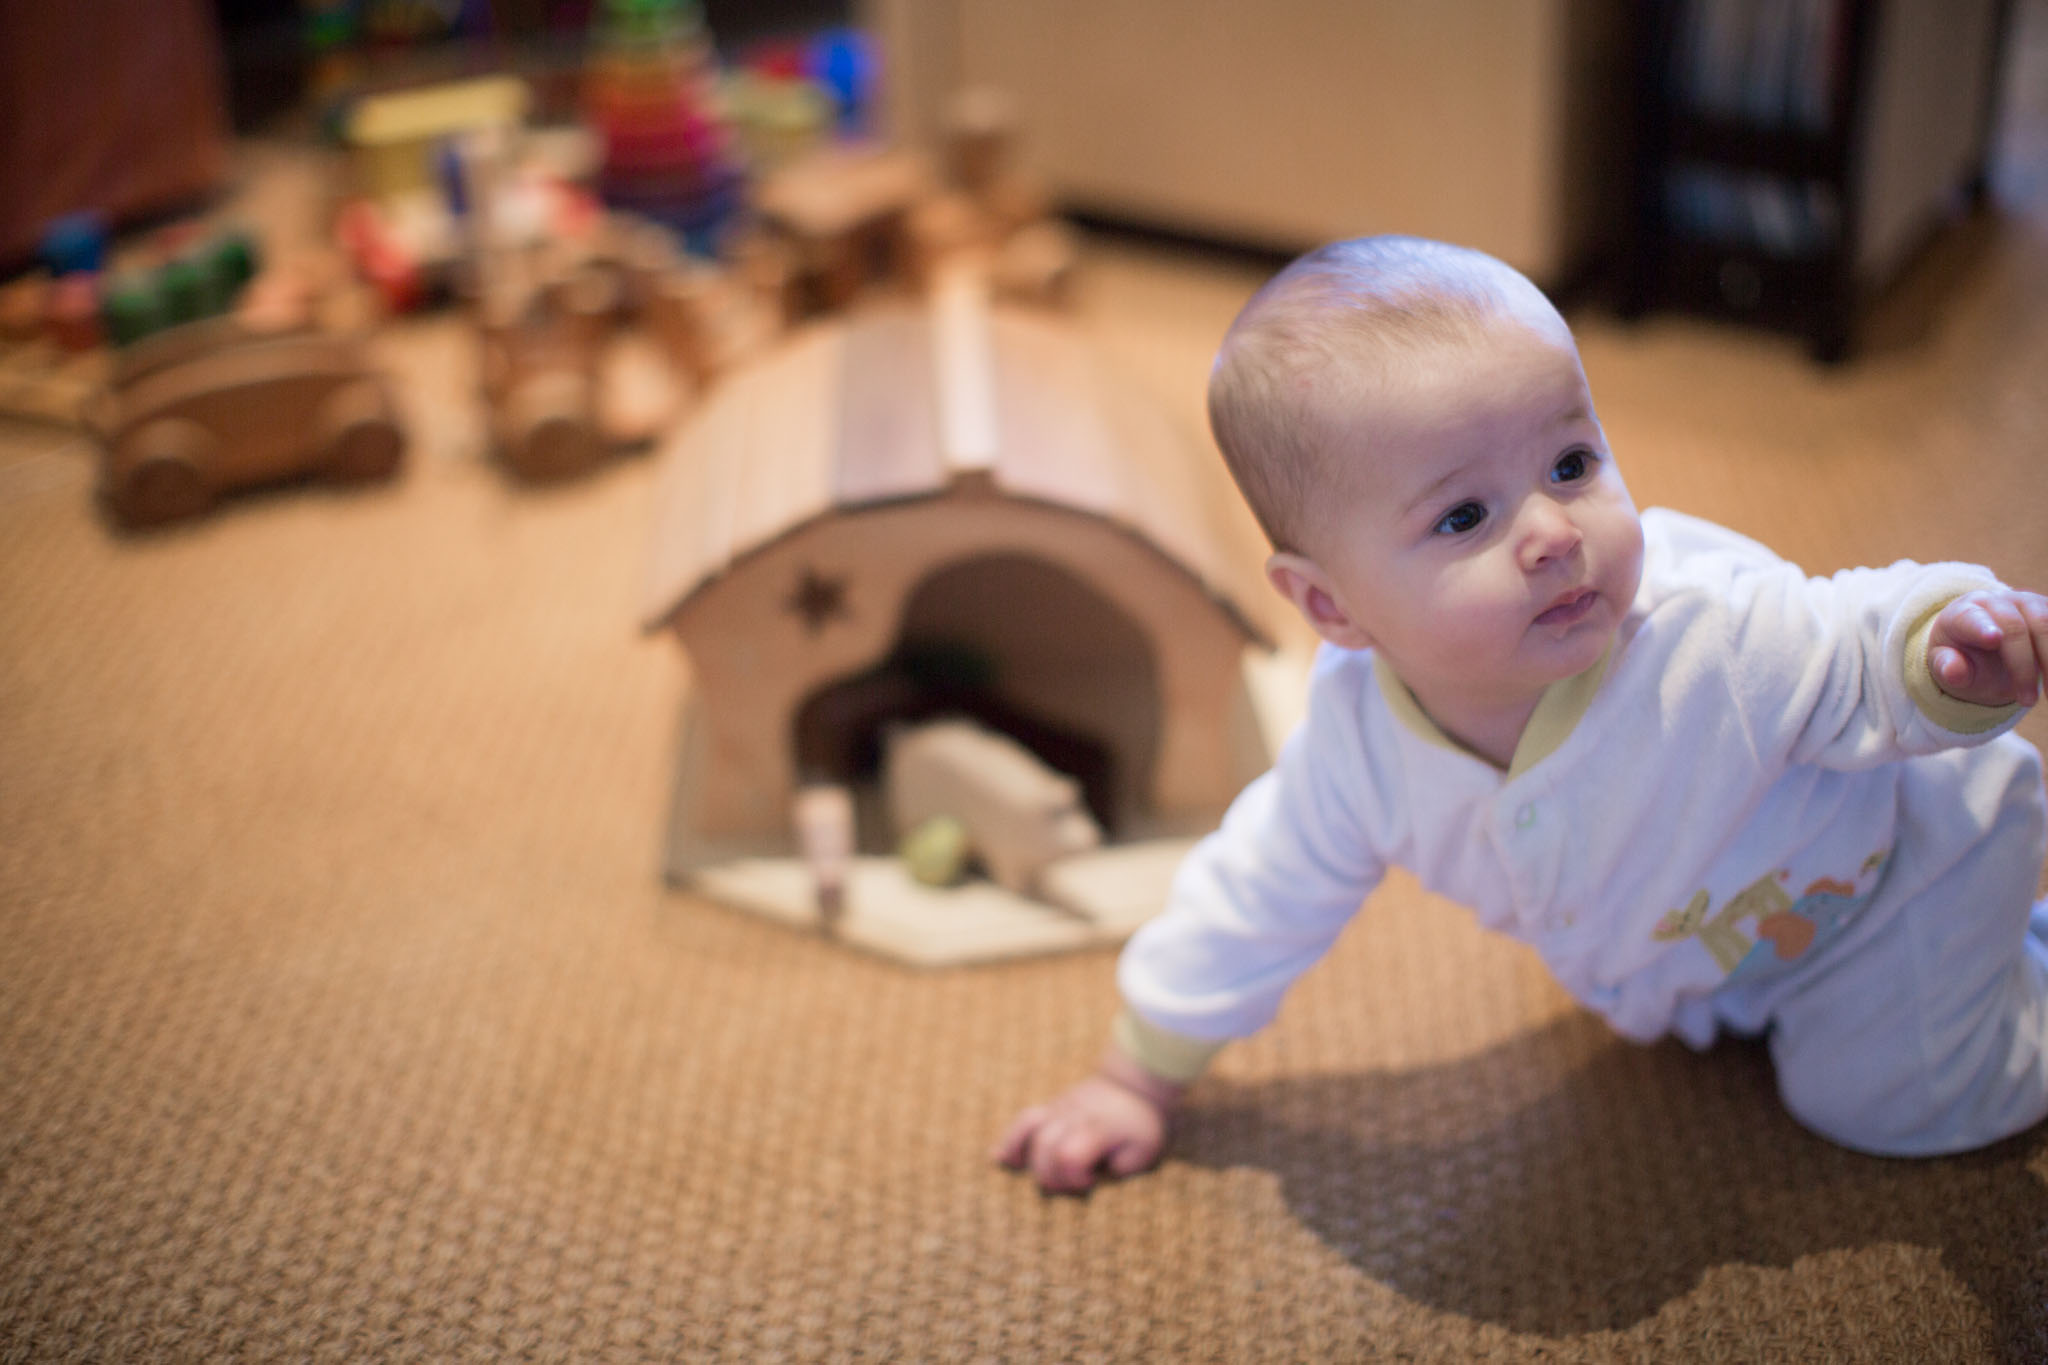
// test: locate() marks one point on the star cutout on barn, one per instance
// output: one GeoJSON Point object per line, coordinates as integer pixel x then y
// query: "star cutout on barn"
{"type": "Point", "coordinates": [819, 598]}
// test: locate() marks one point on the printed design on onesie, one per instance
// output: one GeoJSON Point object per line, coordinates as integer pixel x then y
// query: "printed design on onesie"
{"type": "Point", "coordinates": [1762, 927]}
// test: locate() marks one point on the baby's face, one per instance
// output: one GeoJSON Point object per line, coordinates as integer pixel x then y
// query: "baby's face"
{"type": "Point", "coordinates": [1480, 535]}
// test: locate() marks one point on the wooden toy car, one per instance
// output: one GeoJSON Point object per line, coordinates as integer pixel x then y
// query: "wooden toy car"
{"type": "Point", "coordinates": [851, 214]}
{"type": "Point", "coordinates": [215, 405]}
{"type": "Point", "coordinates": [548, 368]}
{"type": "Point", "coordinates": [607, 348]}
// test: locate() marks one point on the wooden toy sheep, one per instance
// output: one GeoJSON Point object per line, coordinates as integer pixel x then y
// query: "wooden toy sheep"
{"type": "Point", "coordinates": [1020, 814]}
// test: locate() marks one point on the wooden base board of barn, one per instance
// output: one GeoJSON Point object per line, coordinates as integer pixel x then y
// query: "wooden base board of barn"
{"type": "Point", "coordinates": [1090, 899]}
{"type": "Point", "coordinates": [1085, 900]}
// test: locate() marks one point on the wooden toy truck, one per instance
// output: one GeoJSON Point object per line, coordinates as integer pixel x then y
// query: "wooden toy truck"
{"type": "Point", "coordinates": [850, 214]}
{"type": "Point", "coordinates": [215, 405]}
{"type": "Point", "coordinates": [559, 380]}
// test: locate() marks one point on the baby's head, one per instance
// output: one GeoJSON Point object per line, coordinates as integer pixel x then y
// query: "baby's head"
{"type": "Point", "coordinates": [1410, 424]}
{"type": "Point", "coordinates": [1324, 340]}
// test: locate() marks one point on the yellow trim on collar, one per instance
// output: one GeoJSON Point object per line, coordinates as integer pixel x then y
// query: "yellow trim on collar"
{"type": "Point", "coordinates": [1558, 712]}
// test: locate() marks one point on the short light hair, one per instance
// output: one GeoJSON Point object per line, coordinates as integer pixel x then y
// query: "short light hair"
{"type": "Point", "coordinates": [1297, 352]}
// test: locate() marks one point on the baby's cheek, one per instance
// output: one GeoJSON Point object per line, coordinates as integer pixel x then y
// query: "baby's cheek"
{"type": "Point", "coordinates": [1487, 615]}
{"type": "Point", "coordinates": [1619, 525]}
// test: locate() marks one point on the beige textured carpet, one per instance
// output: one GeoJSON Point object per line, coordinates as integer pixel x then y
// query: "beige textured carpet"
{"type": "Point", "coordinates": [343, 1015]}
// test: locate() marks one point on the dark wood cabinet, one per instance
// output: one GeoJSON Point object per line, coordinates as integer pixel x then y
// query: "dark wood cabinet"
{"type": "Point", "coordinates": [1793, 155]}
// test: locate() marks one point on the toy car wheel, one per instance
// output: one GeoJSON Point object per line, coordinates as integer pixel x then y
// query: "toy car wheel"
{"type": "Point", "coordinates": [360, 438]}
{"type": "Point", "coordinates": [549, 429]}
{"type": "Point", "coordinates": [162, 478]}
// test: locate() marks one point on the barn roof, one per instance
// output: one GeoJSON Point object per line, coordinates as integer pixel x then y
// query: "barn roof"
{"type": "Point", "coordinates": [905, 402]}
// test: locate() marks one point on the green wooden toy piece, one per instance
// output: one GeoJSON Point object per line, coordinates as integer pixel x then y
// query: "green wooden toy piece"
{"type": "Point", "coordinates": [232, 259]}
{"type": "Point", "coordinates": [185, 291]}
{"type": "Point", "coordinates": [131, 310]}
{"type": "Point", "coordinates": [935, 850]}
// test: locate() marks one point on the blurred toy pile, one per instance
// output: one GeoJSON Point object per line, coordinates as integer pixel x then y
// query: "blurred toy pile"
{"type": "Point", "coordinates": [662, 202]}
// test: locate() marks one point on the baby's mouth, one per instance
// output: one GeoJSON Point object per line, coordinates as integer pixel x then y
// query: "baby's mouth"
{"type": "Point", "coordinates": [1569, 609]}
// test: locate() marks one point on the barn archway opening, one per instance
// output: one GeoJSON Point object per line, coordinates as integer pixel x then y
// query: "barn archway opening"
{"type": "Point", "coordinates": [1019, 644]}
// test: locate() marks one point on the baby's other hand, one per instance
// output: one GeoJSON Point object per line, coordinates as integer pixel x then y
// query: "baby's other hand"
{"type": "Point", "coordinates": [1991, 647]}
{"type": "Point", "coordinates": [1101, 1123]}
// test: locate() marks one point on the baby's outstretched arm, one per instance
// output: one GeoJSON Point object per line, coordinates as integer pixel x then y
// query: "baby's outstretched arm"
{"type": "Point", "coordinates": [1991, 647]}
{"type": "Point", "coordinates": [1114, 1120]}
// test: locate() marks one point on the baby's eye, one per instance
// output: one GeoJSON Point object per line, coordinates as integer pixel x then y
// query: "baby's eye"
{"type": "Point", "coordinates": [1571, 466]}
{"type": "Point", "coordinates": [1460, 519]}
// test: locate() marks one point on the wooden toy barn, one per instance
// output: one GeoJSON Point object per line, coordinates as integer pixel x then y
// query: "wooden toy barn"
{"type": "Point", "coordinates": [939, 509]}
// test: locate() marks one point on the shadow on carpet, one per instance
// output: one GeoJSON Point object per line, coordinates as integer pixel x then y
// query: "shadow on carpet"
{"type": "Point", "coordinates": [1600, 1180]}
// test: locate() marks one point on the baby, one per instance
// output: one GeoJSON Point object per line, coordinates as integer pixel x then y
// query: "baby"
{"type": "Point", "coordinates": [1711, 792]}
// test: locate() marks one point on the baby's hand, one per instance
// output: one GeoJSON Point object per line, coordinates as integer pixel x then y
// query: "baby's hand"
{"type": "Point", "coordinates": [1116, 1119]}
{"type": "Point", "coordinates": [1991, 647]}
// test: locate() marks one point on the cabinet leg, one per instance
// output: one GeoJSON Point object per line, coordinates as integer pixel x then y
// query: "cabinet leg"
{"type": "Point", "coordinates": [1829, 344]}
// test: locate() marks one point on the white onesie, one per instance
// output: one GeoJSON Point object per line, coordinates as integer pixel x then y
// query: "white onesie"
{"type": "Point", "coordinates": [1757, 812]}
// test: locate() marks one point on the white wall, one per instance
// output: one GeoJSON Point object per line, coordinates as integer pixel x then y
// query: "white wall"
{"type": "Point", "coordinates": [1495, 123]}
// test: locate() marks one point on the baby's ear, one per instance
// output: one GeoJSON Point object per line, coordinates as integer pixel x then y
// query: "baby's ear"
{"type": "Point", "coordinates": [1301, 581]}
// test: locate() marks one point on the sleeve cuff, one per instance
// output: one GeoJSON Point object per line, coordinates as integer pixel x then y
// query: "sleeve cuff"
{"type": "Point", "coordinates": [1170, 1056]}
{"type": "Point", "coordinates": [1950, 713]}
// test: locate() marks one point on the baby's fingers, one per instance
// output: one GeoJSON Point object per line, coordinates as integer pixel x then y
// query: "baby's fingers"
{"type": "Point", "coordinates": [1952, 668]}
{"type": "Point", "coordinates": [1065, 1153]}
{"type": "Point", "coordinates": [1134, 1156]}
{"type": "Point", "coordinates": [1014, 1149]}
{"type": "Point", "coordinates": [2033, 609]}
{"type": "Point", "coordinates": [1991, 647]}
{"type": "Point", "coordinates": [2016, 645]}
{"type": "Point", "coordinates": [1972, 620]}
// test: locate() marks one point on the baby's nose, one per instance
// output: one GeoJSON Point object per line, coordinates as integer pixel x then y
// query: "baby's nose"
{"type": "Point", "coordinates": [1547, 533]}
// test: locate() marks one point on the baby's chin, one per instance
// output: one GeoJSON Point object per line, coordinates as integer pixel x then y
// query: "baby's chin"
{"type": "Point", "coordinates": [1578, 649]}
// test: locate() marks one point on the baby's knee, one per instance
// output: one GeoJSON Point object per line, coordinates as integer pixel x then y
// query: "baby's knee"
{"type": "Point", "coordinates": [2021, 811]}
{"type": "Point", "coordinates": [1916, 1091]}
{"type": "Point", "coordinates": [1994, 793]}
